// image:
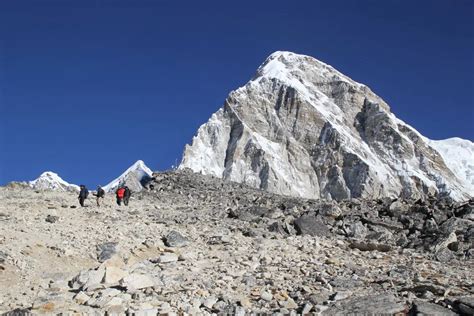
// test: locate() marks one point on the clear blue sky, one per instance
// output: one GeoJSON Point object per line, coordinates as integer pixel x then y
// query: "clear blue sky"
{"type": "Point", "coordinates": [89, 87]}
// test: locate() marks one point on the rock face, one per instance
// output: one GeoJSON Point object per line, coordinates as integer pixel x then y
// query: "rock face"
{"type": "Point", "coordinates": [302, 128]}
{"type": "Point", "coordinates": [134, 177]}
{"type": "Point", "coordinates": [52, 181]}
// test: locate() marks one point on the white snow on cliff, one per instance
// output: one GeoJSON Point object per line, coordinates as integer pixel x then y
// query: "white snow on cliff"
{"type": "Point", "coordinates": [458, 154]}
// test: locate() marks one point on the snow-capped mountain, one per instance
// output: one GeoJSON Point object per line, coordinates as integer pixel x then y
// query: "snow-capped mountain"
{"type": "Point", "coordinates": [52, 181]}
{"type": "Point", "coordinates": [134, 177]}
{"type": "Point", "coordinates": [302, 128]}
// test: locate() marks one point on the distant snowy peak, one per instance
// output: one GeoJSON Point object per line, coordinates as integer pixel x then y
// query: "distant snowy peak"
{"type": "Point", "coordinates": [458, 154]}
{"type": "Point", "coordinates": [134, 177]}
{"type": "Point", "coordinates": [52, 181]}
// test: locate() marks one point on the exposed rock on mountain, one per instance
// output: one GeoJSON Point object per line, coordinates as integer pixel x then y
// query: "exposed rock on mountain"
{"type": "Point", "coordinates": [302, 128]}
{"type": "Point", "coordinates": [134, 177]}
{"type": "Point", "coordinates": [51, 181]}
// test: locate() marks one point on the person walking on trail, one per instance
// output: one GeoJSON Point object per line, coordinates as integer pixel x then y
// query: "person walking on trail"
{"type": "Point", "coordinates": [120, 193]}
{"type": "Point", "coordinates": [126, 195]}
{"type": "Point", "coordinates": [83, 193]}
{"type": "Point", "coordinates": [100, 194]}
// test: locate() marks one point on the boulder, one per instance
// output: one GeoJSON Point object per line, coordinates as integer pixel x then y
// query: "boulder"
{"type": "Point", "coordinates": [309, 224]}
{"type": "Point", "coordinates": [88, 280]}
{"type": "Point", "coordinates": [363, 246]}
{"type": "Point", "coordinates": [442, 249]}
{"type": "Point", "coordinates": [356, 230]}
{"type": "Point", "coordinates": [330, 210]}
{"type": "Point", "coordinates": [106, 250]}
{"type": "Point", "coordinates": [113, 275]}
{"type": "Point", "coordinates": [465, 305]}
{"type": "Point", "coordinates": [175, 239]}
{"type": "Point", "coordinates": [426, 308]}
{"type": "Point", "coordinates": [368, 305]}
{"type": "Point", "coordinates": [137, 281]}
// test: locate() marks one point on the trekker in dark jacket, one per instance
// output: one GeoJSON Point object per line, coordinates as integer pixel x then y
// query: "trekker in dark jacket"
{"type": "Point", "coordinates": [126, 195]}
{"type": "Point", "coordinates": [100, 194]}
{"type": "Point", "coordinates": [83, 194]}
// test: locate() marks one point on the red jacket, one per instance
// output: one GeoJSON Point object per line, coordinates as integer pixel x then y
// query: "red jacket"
{"type": "Point", "coordinates": [120, 192]}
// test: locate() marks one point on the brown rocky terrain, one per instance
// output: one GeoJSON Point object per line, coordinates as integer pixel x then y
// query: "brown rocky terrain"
{"type": "Point", "coordinates": [194, 244]}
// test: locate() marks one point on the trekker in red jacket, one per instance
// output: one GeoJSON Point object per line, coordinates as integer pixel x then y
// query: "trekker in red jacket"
{"type": "Point", "coordinates": [120, 193]}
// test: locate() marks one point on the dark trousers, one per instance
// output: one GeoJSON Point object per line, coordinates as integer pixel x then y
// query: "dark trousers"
{"type": "Point", "coordinates": [125, 200]}
{"type": "Point", "coordinates": [81, 200]}
{"type": "Point", "coordinates": [119, 200]}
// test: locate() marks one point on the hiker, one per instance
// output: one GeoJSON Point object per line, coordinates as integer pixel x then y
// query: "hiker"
{"type": "Point", "coordinates": [120, 193]}
{"type": "Point", "coordinates": [82, 194]}
{"type": "Point", "coordinates": [126, 195]}
{"type": "Point", "coordinates": [100, 194]}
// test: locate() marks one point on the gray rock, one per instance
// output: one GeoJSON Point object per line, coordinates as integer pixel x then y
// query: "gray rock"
{"type": "Point", "coordinates": [175, 239]}
{"type": "Point", "coordinates": [239, 311]}
{"type": "Point", "coordinates": [363, 246]}
{"type": "Point", "coordinates": [18, 312]}
{"type": "Point", "coordinates": [277, 227]}
{"type": "Point", "coordinates": [465, 305]}
{"type": "Point", "coordinates": [330, 210]}
{"type": "Point", "coordinates": [210, 301]}
{"type": "Point", "coordinates": [88, 280]}
{"type": "Point", "coordinates": [430, 226]}
{"type": "Point", "coordinates": [356, 230]}
{"type": "Point", "coordinates": [106, 250]}
{"type": "Point", "coordinates": [442, 248]}
{"type": "Point", "coordinates": [167, 258]}
{"type": "Point", "coordinates": [311, 225]}
{"type": "Point", "coordinates": [136, 281]}
{"type": "Point", "coordinates": [398, 207]}
{"type": "Point", "coordinates": [367, 305]}
{"type": "Point", "coordinates": [266, 296]}
{"type": "Point", "coordinates": [52, 219]}
{"type": "Point", "coordinates": [426, 308]}
{"type": "Point", "coordinates": [3, 257]}
{"type": "Point", "coordinates": [307, 308]}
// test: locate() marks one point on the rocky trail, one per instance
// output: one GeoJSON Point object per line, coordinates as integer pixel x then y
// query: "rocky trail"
{"type": "Point", "coordinates": [194, 244]}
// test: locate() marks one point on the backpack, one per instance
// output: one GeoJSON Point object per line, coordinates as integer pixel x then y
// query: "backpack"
{"type": "Point", "coordinates": [100, 192]}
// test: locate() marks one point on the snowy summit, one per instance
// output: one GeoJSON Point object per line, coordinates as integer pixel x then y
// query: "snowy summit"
{"type": "Point", "coordinates": [52, 181]}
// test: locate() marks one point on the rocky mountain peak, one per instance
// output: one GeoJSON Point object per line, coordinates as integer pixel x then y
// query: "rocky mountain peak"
{"type": "Point", "coordinates": [302, 128]}
{"type": "Point", "coordinates": [49, 180]}
{"type": "Point", "coordinates": [134, 177]}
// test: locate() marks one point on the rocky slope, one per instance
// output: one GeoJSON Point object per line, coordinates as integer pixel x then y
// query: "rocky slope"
{"type": "Point", "coordinates": [302, 128]}
{"type": "Point", "coordinates": [199, 245]}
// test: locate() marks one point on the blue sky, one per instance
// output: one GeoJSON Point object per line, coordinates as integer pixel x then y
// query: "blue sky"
{"type": "Point", "coordinates": [89, 87]}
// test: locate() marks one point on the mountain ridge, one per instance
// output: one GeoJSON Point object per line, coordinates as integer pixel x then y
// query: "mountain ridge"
{"type": "Point", "coordinates": [133, 177]}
